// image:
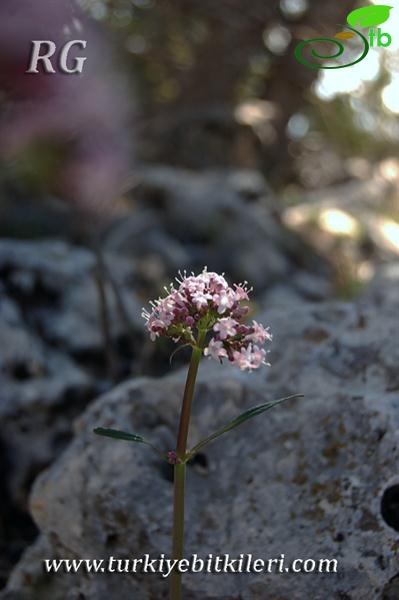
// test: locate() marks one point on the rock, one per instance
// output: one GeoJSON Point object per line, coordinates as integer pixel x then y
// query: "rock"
{"type": "Point", "coordinates": [49, 324]}
{"type": "Point", "coordinates": [55, 285]}
{"type": "Point", "coordinates": [301, 286]}
{"type": "Point", "coordinates": [225, 219]}
{"type": "Point", "coordinates": [52, 362]}
{"type": "Point", "coordinates": [384, 287]}
{"type": "Point", "coordinates": [315, 478]}
{"type": "Point", "coordinates": [41, 391]}
{"type": "Point", "coordinates": [280, 296]}
{"type": "Point", "coordinates": [312, 287]}
{"type": "Point", "coordinates": [39, 385]}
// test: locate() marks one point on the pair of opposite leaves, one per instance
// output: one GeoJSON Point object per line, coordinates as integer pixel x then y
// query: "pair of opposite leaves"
{"type": "Point", "coordinates": [368, 16]}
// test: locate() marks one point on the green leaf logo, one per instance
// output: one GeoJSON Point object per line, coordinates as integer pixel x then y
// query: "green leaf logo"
{"type": "Point", "coordinates": [368, 16]}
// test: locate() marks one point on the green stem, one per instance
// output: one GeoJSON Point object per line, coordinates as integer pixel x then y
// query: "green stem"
{"type": "Point", "coordinates": [178, 528]}
{"type": "Point", "coordinates": [187, 402]}
{"type": "Point", "coordinates": [180, 467]}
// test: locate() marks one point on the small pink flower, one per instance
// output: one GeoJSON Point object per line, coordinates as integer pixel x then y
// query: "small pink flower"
{"type": "Point", "coordinates": [201, 299]}
{"type": "Point", "coordinates": [224, 300]}
{"type": "Point", "coordinates": [241, 292]}
{"type": "Point", "coordinates": [249, 358]}
{"type": "Point", "coordinates": [226, 327]}
{"type": "Point", "coordinates": [205, 303]}
{"type": "Point", "coordinates": [258, 335]}
{"type": "Point", "coordinates": [215, 349]}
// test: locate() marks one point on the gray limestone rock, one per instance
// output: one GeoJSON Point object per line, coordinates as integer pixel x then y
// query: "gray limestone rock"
{"type": "Point", "coordinates": [52, 362]}
{"type": "Point", "coordinates": [55, 285]}
{"type": "Point", "coordinates": [314, 478]}
{"type": "Point", "coordinates": [49, 323]}
{"type": "Point", "coordinates": [225, 219]}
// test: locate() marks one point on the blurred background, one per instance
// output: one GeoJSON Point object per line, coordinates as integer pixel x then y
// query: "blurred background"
{"type": "Point", "coordinates": [192, 137]}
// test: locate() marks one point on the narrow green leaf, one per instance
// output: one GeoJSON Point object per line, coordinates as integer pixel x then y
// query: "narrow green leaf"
{"type": "Point", "coordinates": [123, 435]}
{"type": "Point", "coordinates": [369, 16]}
{"type": "Point", "coordinates": [248, 414]}
{"type": "Point", "coordinates": [119, 435]}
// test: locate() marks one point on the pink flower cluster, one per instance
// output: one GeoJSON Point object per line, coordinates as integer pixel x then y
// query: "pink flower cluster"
{"type": "Point", "coordinates": [207, 303]}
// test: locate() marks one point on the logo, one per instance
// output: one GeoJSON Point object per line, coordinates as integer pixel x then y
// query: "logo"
{"type": "Point", "coordinates": [50, 49]}
{"type": "Point", "coordinates": [368, 16]}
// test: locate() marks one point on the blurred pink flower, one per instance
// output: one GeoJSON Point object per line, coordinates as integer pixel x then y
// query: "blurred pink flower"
{"type": "Point", "coordinates": [87, 114]}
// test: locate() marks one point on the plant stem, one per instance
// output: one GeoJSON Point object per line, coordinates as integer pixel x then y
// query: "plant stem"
{"type": "Point", "coordinates": [187, 402]}
{"type": "Point", "coordinates": [178, 528]}
{"type": "Point", "coordinates": [180, 467]}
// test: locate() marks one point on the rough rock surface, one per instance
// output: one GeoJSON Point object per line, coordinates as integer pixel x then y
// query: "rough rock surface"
{"type": "Point", "coordinates": [314, 478]}
{"type": "Point", "coordinates": [52, 361]}
{"type": "Point", "coordinates": [55, 285]}
{"type": "Point", "coordinates": [228, 220]}
{"type": "Point", "coordinates": [50, 327]}
{"type": "Point", "coordinates": [56, 353]}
